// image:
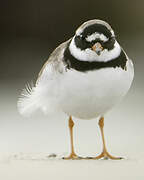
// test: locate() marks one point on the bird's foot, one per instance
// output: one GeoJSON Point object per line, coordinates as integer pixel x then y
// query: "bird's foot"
{"type": "Point", "coordinates": [106, 155]}
{"type": "Point", "coordinates": [72, 156]}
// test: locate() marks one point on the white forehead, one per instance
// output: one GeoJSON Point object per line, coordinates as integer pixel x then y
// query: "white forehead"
{"type": "Point", "coordinates": [96, 35]}
{"type": "Point", "coordinates": [91, 22]}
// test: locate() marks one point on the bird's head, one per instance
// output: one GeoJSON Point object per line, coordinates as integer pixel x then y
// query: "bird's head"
{"type": "Point", "coordinates": [94, 41]}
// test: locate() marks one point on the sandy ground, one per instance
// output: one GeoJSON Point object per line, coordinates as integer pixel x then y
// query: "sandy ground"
{"type": "Point", "coordinates": [25, 144]}
{"type": "Point", "coordinates": [81, 169]}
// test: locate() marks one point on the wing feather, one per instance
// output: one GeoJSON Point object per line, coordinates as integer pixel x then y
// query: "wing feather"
{"type": "Point", "coordinates": [42, 95]}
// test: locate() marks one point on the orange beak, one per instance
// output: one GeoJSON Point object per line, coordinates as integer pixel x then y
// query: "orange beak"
{"type": "Point", "coordinates": [97, 47]}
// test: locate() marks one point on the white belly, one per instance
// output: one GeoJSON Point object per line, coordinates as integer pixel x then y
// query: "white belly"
{"type": "Point", "coordinates": [91, 94]}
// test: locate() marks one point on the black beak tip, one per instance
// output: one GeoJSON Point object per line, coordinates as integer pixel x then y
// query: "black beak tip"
{"type": "Point", "coordinates": [98, 53]}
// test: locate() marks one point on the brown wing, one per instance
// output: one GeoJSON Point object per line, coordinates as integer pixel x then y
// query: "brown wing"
{"type": "Point", "coordinates": [56, 55]}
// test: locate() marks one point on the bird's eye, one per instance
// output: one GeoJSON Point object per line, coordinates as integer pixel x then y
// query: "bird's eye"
{"type": "Point", "coordinates": [109, 44]}
{"type": "Point", "coordinates": [112, 40]}
{"type": "Point", "coordinates": [81, 37]}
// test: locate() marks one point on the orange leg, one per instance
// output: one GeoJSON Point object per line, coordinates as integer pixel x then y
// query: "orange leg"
{"type": "Point", "coordinates": [72, 154]}
{"type": "Point", "coordinates": [104, 153]}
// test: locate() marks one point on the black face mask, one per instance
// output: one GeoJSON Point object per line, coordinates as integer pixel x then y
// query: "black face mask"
{"type": "Point", "coordinates": [81, 43]}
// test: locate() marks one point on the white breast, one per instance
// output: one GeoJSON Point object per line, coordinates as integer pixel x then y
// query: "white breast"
{"type": "Point", "coordinates": [91, 94]}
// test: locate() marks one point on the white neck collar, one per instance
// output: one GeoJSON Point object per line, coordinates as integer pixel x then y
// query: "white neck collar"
{"type": "Point", "coordinates": [91, 56]}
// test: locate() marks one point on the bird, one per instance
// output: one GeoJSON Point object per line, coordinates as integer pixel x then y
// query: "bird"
{"type": "Point", "coordinates": [84, 77]}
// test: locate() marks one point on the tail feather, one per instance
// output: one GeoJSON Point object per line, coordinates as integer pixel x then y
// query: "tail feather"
{"type": "Point", "coordinates": [41, 96]}
{"type": "Point", "coordinates": [28, 100]}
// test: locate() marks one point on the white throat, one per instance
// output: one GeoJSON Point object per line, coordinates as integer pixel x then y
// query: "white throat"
{"type": "Point", "coordinates": [90, 55]}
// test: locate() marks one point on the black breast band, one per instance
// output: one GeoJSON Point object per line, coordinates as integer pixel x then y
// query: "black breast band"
{"type": "Point", "coordinates": [84, 66]}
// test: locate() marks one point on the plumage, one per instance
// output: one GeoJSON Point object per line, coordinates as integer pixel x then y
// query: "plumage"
{"type": "Point", "coordinates": [84, 77]}
{"type": "Point", "coordinates": [84, 89]}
